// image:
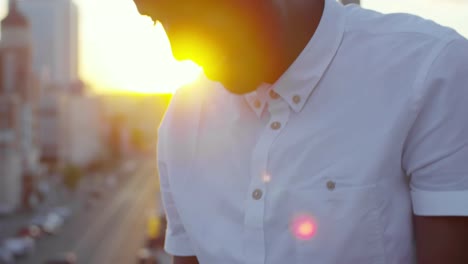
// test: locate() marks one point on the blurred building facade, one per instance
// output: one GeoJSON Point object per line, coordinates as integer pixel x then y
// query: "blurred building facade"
{"type": "Point", "coordinates": [54, 27]}
{"type": "Point", "coordinates": [18, 120]}
{"type": "Point", "coordinates": [49, 125]}
{"type": "Point", "coordinates": [46, 118]}
{"type": "Point", "coordinates": [134, 122]}
{"type": "Point", "coordinates": [71, 128]}
{"type": "Point", "coordinates": [82, 130]}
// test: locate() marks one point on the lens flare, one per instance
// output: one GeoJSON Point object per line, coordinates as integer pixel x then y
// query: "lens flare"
{"type": "Point", "coordinates": [266, 177]}
{"type": "Point", "coordinates": [304, 227]}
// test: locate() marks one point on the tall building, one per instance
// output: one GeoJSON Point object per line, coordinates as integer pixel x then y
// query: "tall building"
{"type": "Point", "coordinates": [82, 130]}
{"type": "Point", "coordinates": [71, 128]}
{"type": "Point", "coordinates": [15, 54]}
{"type": "Point", "coordinates": [18, 152]}
{"type": "Point", "coordinates": [50, 131]}
{"type": "Point", "coordinates": [54, 26]}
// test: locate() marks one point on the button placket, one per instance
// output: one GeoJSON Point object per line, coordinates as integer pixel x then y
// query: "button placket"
{"type": "Point", "coordinates": [257, 194]}
{"type": "Point", "coordinates": [258, 191]}
{"type": "Point", "coordinates": [275, 125]}
{"type": "Point", "coordinates": [257, 103]}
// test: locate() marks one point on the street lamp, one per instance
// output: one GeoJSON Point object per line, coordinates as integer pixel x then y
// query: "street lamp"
{"type": "Point", "coordinates": [347, 2]}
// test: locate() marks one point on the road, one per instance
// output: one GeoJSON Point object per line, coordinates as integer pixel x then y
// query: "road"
{"type": "Point", "coordinates": [113, 230]}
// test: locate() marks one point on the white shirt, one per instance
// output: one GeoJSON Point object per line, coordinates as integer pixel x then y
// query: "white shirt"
{"type": "Point", "coordinates": [367, 127]}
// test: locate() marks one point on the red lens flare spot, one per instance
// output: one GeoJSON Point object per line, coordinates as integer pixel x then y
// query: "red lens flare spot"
{"type": "Point", "coordinates": [304, 227]}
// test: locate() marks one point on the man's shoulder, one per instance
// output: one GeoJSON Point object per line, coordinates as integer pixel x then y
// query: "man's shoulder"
{"type": "Point", "coordinates": [178, 132]}
{"type": "Point", "coordinates": [397, 25]}
{"type": "Point", "coordinates": [183, 114]}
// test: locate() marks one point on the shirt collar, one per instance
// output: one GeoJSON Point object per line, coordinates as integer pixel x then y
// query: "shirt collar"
{"type": "Point", "coordinates": [257, 100]}
{"type": "Point", "coordinates": [297, 83]}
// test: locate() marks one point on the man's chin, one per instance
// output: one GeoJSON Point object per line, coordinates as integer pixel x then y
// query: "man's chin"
{"type": "Point", "coordinates": [232, 84]}
{"type": "Point", "coordinates": [237, 87]}
{"type": "Point", "coordinates": [235, 90]}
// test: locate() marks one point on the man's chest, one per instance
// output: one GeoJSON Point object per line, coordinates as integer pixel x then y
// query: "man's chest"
{"type": "Point", "coordinates": [346, 142]}
{"type": "Point", "coordinates": [323, 168]}
{"type": "Point", "coordinates": [331, 170]}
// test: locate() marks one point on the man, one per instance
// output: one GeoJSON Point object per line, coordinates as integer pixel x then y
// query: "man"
{"type": "Point", "coordinates": [341, 135]}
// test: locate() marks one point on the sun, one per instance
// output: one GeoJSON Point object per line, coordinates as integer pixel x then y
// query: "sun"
{"type": "Point", "coordinates": [129, 53]}
{"type": "Point", "coordinates": [155, 70]}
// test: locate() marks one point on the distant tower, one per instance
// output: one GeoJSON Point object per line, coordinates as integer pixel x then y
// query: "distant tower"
{"type": "Point", "coordinates": [347, 2]}
{"type": "Point", "coordinates": [55, 34]}
{"type": "Point", "coordinates": [15, 53]}
{"type": "Point", "coordinates": [17, 149]}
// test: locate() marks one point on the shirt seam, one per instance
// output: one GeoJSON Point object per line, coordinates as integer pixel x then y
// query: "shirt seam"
{"type": "Point", "coordinates": [440, 37]}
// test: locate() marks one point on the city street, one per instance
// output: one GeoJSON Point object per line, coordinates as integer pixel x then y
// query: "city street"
{"type": "Point", "coordinates": [113, 229]}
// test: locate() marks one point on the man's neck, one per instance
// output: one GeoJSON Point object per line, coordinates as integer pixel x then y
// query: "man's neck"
{"type": "Point", "coordinates": [300, 23]}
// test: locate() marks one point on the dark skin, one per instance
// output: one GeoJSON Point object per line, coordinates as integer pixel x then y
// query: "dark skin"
{"type": "Point", "coordinates": [441, 239]}
{"type": "Point", "coordinates": [184, 260]}
{"type": "Point", "coordinates": [258, 47]}
{"type": "Point", "coordinates": [238, 43]}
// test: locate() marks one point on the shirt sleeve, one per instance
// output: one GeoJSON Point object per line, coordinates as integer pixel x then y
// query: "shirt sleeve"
{"type": "Point", "coordinates": [177, 242]}
{"type": "Point", "coordinates": [436, 151]}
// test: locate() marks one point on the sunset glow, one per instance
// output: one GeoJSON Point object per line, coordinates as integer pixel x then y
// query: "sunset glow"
{"type": "Point", "coordinates": [150, 68]}
{"type": "Point", "coordinates": [136, 55]}
{"type": "Point", "coordinates": [122, 51]}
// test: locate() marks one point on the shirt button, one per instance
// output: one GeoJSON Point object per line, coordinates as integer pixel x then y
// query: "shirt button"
{"type": "Point", "coordinates": [275, 125]}
{"type": "Point", "coordinates": [331, 185]}
{"type": "Point", "coordinates": [296, 99]}
{"type": "Point", "coordinates": [257, 194]}
{"type": "Point", "coordinates": [257, 103]}
{"type": "Point", "coordinates": [273, 94]}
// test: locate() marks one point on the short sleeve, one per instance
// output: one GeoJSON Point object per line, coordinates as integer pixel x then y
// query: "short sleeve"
{"type": "Point", "coordinates": [177, 242]}
{"type": "Point", "coordinates": [436, 151]}
{"type": "Point", "coordinates": [176, 141]}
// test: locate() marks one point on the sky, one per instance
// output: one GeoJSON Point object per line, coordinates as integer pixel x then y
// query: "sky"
{"type": "Point", "coordinates": [121, 50]}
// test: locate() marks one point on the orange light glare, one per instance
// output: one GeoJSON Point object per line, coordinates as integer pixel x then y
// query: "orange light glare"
{"type": "Point", "coordinates": [304, 227]}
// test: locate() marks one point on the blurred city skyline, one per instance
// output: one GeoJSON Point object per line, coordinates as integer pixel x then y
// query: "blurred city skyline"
{"type": "Point", "coordinates": [121, 51]}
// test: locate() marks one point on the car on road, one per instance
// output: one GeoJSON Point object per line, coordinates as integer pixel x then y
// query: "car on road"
{"type": "Point", "coordinates": [6, 256]}
{"type": "Point", "coordinates": [32, 231]}
{"type": "Point", "coordinates": [147, 256]}
{"type": "Point", "coordinates": [38, 220]}
{"type": "Point", "coordinates": [53, 222]}
{"type": "Point", "coordinates": [63, 211]}
{"type": "Point", "coordinates": [19, 246]}
{"type": "Point", "coordinates": [49, 223]}
{"type": "Point", "coordinates": [153, 249]}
